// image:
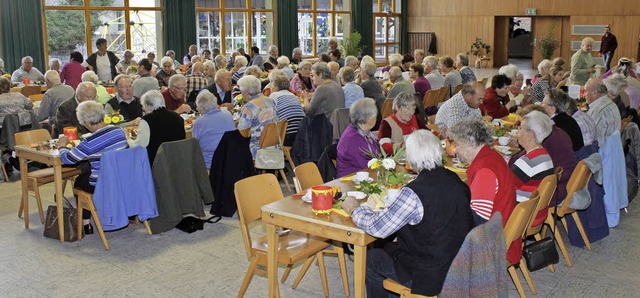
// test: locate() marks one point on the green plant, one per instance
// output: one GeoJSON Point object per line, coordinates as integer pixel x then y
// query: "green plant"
{"type": "Point", "coordinates": [477, 46]}
{"type": "Point", "coordinates": [352, 45]}
{"type": "Point", "coordinates": [548, 44]}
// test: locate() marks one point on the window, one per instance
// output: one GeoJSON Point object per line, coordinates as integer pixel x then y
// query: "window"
{"type": "Point", "coordinates": [386, 19]}
{"type": "Point", "coordinates": [244, 23]}
{"type": "Point", "coordinates": [75, 25]}
{"type": "Point", "coordinates": [319, 20]}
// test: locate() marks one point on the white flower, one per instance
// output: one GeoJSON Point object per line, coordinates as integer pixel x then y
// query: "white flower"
{"type": "Point", "coordinates": [371, 162]}
{"type": "Point", "coordinates": [388, 163]}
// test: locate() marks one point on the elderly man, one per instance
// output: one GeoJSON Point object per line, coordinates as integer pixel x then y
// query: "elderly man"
{"type": "Point", "coordinates": [462, 64]}
{"type": "Point", "coordinates": [124, 101]}
{"type": "Point", "coordinates": [124, 64]}
{"type": "Point", "coordinates": [193, 51]}
{"type": "Point", "coordinates": [56, 94]}
{"type": "Point", "coordinates": [256, 58]}
{"type": "Point", "coordinates": [27, 71]}
{"type": "Point", "coordinates": [196, 81]}
{"type": "Point", "coordinates": [436, 80]}
{"type": "Point", "coordinates": [66, 116]}
{"type": "Point", "coordinates": [370, 85]}
{"type": "Point", "coordinates": [555, 103]}
{"type": "Point", "coordinates": [602, 110]}
{"type": "Point", "coordinates": [296, 56]}
{"type": "Point", "coordinates": [335, 71]}
{"type": "Point", "coordinates": [209, 71]}
{"type": "Point", "coordinates": [222, 86]}
{"type": "Point", "coordinates": [465, 104]}
{"type": "Point", "coordinates": [209, 128]}
{"type": "Point", "coordinates": [220, 62]}
{"type": "Point", "coordinates": [272, 61]}
{"type": "Point", "coordinates": [102, 62]}
{"type": "Point", "coordinates": [582, 66]}
{"type": "Point", "coordinates": [430, 224]}
{"type": "Point", "coordinates": [452, 77]}
{"type": "Point", "coordinates": [175, 95]}
{"type": "Point", "coordinates": [145, 82]}
{"type": "Point", "coordinates": [399, 83]}
{"type": "Point", "coordinates": [244, 54]}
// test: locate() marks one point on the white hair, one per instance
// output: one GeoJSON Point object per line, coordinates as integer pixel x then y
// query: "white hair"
{"type": "Point", "coordinates": [296, 50]}
{"type": "Point", "coordinates": [271, 47]}
{"type": "Point", "coordinates": [283, 60]}
{"type": "Point", "coordinates": [586, 40]}
{"type": "Point", "coordinates": [83, 86]}
{"type": "Point", "coordinates": [540, 124]}
{"type": "Point", "coordinates": [152, 99]}
{"type": "Point", "coordinates": [543, 63]}
{"type": "Point", "coordinates": [251, 85]}
{"type": "Point", "coordinates": [395, 59]}
{"type": "Point", "coordinates": [52, 76]}
{"type": "Point", "coordinates": [25, 58]}
{"type": "Point", "coordinates": [90, 76]}
{"type": "Point", "coordinates": [615, 83]}
{"type": "Point", "coordinates": [166, 59]}
{"type": "Point", "coordinates": [219, 73]}
{"type": "Point", "coordinates": [367, 58]}
{"type": "Point", "coordinates": [362, 110]}
{"type": "Point", "coordinates": [220, 59]}
{"type": "Point", "coordinates": [351, 61]}
{"type": "Point", "coordinates": [207, 101]}
{"type": "Point", "coordinates": [209, 64]}
{"type": "Point", "coordinates": [241, 60]}
{"type": "Point", "coordinates": [53, 61]}
{"type": "Point", "coordinates": [1, 63]}
{"type": "Point", "coordinates": [175, 78]}
{"type": "Point", "coordinates": [90, 112]}
{"type": "Point", "coordinates": [424, 150]}
{"type": "Point", "coordinates": [431, 61]}
{"type": "Point", "coordinates": [194, 58]}
{"type": "Point", "coordinates": [509, 70]}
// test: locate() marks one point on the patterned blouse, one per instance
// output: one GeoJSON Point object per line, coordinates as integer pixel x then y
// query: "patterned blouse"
{"type": "Point", "coordinates": [256, 114]}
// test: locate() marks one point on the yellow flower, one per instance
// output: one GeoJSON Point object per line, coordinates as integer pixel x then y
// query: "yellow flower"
{"type": "Point", "coordinates": [115, 119]}
{"type": "Point", "coordinates": [107, 120]}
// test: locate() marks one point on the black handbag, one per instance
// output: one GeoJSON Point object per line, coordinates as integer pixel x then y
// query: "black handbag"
{"type": "Point", "coordinates": [69, 221]}
{"type": "Point", "coordinates": [191, 224]}
{"type": "Point", "coordinates": [541, 253]}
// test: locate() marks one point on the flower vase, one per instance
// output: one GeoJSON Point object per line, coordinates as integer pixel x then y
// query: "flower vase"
{"type": "Point", "coordinates": [382, 177]}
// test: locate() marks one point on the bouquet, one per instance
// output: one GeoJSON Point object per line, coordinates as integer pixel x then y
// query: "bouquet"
{"type": "Point", "coordinates": [385, 166]}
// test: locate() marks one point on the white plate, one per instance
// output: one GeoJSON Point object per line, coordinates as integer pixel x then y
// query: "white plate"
{"type": "Point", "coordinates": [356, 181]}
{"type": "Point", "coordinates": [306, 198]}
{"type": "Point", "coordinates": [357, 194]}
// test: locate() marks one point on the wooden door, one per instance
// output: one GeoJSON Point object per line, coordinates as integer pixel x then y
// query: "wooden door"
{"type": "Point", "coordinates": [501, 42]}
{"type": "Point", "coordinates": [540, 29]}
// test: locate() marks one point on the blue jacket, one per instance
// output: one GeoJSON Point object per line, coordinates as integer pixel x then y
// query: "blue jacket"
{"type": "Point", "coordinates": [615, 178]}
{"type": "Point", "coordinates": [125, 188]}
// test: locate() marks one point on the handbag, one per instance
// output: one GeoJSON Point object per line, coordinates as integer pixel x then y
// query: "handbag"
{"type": "Point", "coordinates": [541, 253]}
{"type": "Point", "coordinates": [191, 224]}
{"type": "Point", "coordinates": [69, 220]}
{"type": "Point", "coordinates": [270, 158]}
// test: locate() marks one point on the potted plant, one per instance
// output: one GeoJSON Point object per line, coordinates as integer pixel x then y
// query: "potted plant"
{"type": "Point", "coordinates": [351, 44]}
{"type": "Point", "coordinates": [548, 44]}
{"type": "Point", "coordinates": [479, 49]}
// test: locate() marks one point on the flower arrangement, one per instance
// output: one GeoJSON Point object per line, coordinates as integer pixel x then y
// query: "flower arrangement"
{"type": "Point", "coordinates": [477, 46]}
{"type": "Point", "coordinates": [111, 116]}
{"type": "Point", "coordinates": [386, 165]}
{"type": "Point", "coordinates": [132, 70]}
{"type": "Point", "coordinates": [548, 44]}
{"type": "Point", "coordinates": [6, 75]}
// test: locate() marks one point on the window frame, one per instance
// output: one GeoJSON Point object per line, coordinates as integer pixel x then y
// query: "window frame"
{"type": "Point", "coordinates": [393, 14]}
{"type": "Point", "coordinates": [332, 12]}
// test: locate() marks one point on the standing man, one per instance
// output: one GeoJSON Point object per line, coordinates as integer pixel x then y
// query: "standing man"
{"type": "Point", "coordinates": [608, 46]}
{"type": "Point", "coordinates": [102, 62]}
{"type": "Point", "coordinates": [27, 71]}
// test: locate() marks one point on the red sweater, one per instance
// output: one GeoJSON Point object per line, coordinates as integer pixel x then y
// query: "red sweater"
{"type": "Point", "coordinates": [492, 105]}
{"type": "Point", "coordinates": [407, 128]}
{"type": "Point", "coordinates": [171, 103]}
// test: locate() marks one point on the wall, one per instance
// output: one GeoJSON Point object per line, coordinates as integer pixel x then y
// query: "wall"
{"type": "Point", "coordinates": [457, 22]}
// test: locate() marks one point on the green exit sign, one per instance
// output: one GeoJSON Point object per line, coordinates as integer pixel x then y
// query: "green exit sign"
{"type": "Point", "coordinates": [531, 11]}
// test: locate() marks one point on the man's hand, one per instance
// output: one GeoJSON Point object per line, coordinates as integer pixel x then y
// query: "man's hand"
{"type": "Point", "coordinates": [183, 109]}
{"type": "Point", "coordinates": [63, 141]}
{"type": "Point", "coordinates": [350, 204]}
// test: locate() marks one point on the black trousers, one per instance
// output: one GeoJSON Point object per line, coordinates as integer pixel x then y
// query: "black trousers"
{"type": "Point", "coordinates": [82, 183]}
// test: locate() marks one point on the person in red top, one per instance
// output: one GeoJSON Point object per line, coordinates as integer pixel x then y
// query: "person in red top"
{"type": "Point", "coordinates": [174, 96]}
{"type": "Point", "coordinates": [490, 180]}
{"type": "Point", "coordinates": [401, 123]}
{"type": "Point", "coordinates": [496, 103]}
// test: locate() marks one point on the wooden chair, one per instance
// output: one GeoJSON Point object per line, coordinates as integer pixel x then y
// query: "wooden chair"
{"type": "Point", "coordinates": [251, 194]}
{"type": "Point", "coordinates": [444, 93]}
{"type": "Point", "coordinates": [36, 97]}
{"type": "Point", "coordinates": [307, 175]}
{"type": "Point", "coordinates": [625, 121]}
{"type": "Point", "coordinates": [514, 229]}
{"type": "Point", "coordinates": [387, 108]}
{"type": "Point", "coordinates": [431, 98]}
{"type": "Point", "coordinates": [286, 150]}
{"type": "Point", "coordinates": [245, 132]}
{"type": "Point", "coordinates": [5, 175]}
{"type": "Point", "coordinates": [40, 177]}
{"type": "Point", "coordinates": [269, 138]}
{"type": "Point", "coordinates": [484, 81]}
{"type": "Point", "coordinates": [578, 180]}
{"type": "Point", "coordinates": [546, 189]}
{"type": "Point", "coordinates": [457, 89]}
{"type": "Point", "coordinates": [393, 286]}
{"type": "Point", "coordinates": [30, 90]}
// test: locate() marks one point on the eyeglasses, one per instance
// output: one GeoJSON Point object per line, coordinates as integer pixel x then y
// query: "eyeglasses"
{"type": "Point", "coordinates": [87, 97]}
{"type": "Point", "coordinates": [183, 89]}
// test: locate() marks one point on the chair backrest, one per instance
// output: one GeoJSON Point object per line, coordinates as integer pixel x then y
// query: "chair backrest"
{"type": "Point", "coordinates": [245, 132]}
{"type": "Point", "coordinates": [36, 97]}
{"type": "Point", "coordinates": [625, 121]}
{"type": "Point", "coordinates": [457, 89]}
{"type": "Point", "coordinates": [251, 194]}
{"type": "Point", "coordinates": [32, 136]}
{"type": "Point", "coordinates": [431, 98]}
{"type": "Point", "coordinates": [29, 90]}
{"type": "Point", "coordinates": [269, 136]}
{"type": "Point", "coordinates": [444, 93]}
{"type": "Point", "coordinates": [578, 180]}
{"type": "Point", "coordinates": [546, 189]}
{"type": "Point", "coordinates": [520, 219]}
{"type": "Point", "coordinates": [484, 81]}
{"type": "Point", "coordinates": [308, 175]}
{"type": "Point", "coordinates": [431, 119]}
{"type": "Point", "coordinates": [387, 108]}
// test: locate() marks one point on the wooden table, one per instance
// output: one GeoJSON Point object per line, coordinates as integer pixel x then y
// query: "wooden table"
{"type": "Point", "coordinates": [295, 214]}
{"type": "Point", "coordinates": [46, 156]}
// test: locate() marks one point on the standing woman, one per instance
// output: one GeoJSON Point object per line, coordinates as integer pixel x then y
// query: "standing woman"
{"type": "Point", "coordinates": [71, 73]}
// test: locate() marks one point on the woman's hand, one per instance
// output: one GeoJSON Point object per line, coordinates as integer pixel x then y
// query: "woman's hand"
{"type": "Point", "coordinates": [63, 141]}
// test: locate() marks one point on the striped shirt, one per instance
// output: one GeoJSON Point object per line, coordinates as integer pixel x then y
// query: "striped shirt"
{"type": "Point", "coordinates": [606, 116]}
{"type": "Point", "coordinates": [405, 209]}
{"type": "Point", "coordinates": [529, 170]}
{"type": "Point", "coordinates": [587, 126]}
{"type": "Point", "coordinates": [106, 139]}
{"type": "Point", "coordinates": [288, 108]}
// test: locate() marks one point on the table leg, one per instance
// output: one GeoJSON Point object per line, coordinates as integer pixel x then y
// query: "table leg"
{"type": "Point", "coordinates": [359, 270]}
{"type": "Point", "coordinates": [24, 171]}
{"type": "Point", "coordinates": [57, 180]}
{"type": "Point", "coordinates": [272, 260]}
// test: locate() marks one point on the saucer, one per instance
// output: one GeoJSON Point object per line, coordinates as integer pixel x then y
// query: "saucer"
{"type": "Point", "coordinates": [357, 181]}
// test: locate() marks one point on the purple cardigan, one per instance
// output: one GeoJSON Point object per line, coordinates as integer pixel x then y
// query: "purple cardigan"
{"type": "Point", "coordinates": [422, 86]}
{"type": "Point", "coordinates": [351, 151]}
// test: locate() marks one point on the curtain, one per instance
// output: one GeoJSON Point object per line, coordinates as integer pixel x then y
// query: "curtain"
{"type": "Point", "coordinates": [179, 26]}
{"type": "Point", "coordinates": [22, 35]}
{"type": "Point", "coordinates": [362, 18]}
{"type": "Point", "coordinates": [404, 36]}
{"type": "Point", "coordinates": [287, 26]}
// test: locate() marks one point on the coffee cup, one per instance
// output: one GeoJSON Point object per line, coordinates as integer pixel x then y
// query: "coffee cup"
{"type": "Point", "coordinates": [362, 176]}
{"type": "Point", "coordinates": [504, 141]}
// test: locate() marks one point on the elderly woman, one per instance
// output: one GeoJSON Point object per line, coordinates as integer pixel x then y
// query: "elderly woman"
{"type": "Point", "coordinates": [421, 213]}
{"type": "Point", "coordinates": [555, 104]}
{"type": "Point", "coordinates": [283, 64]}
{"type": "Point", "coordinates": [296, 56]}
{"type": "Point", "coordinates": [209, 71]}
{"type": "Point", "coordinates": [287, 105]}
{"type": "Point", "coordinates": [11, 102]}
{"type": "Point", "coordinates": [302, 82]}
{"type": "Point", "coordinates": [210, 128]}
{"type": "Point", "coordinates": [239, 67]}
{"type": "Point", "coordinates": [54, 64]}
{"type": "Point", "coordinates": [462, 64]}
{"type": "Point", "coordinates": [552, 79]}
{"type": "Point", "coordinates": [616, 84]}
{"type": "Point", "coordinates": [165, 72]}
{"type": "Point", "coordinates": [370, 86]}
{"type": "Point", "coordinates": [71, 73]}
{"type": "Point", "coordinates": [357, 144]}
{"type": "Point", "coordinates": [394, 60]}
{"type": "Point", "coordinates": [452, 77]}
{"type": "Point", "coordinates": [395, 128]}
{"type": "Point", "coordinates": [624, 67]}
{"type": "Point", "coordinates": [258, 110]}
{"type": "Point", "coordinates": [103, 138]}
{"type": "Point", "coordinates": [536, 164]}
{"type": "Point", "coordinates": [582, 66]}
{"type": "Point", "coordinates": [102, 96]}
{"type": "Point", "coordinates": [496, 101]}
{"type": "Point", "coordinates": [328, 95]}
{"type": "Point", "coordinates": [420, 83]}
{"type": "Point", "coordinates": [543, 70]}
{"type": "Point", "coordinates": [158, 125]}
{"type": "Point", "coordinates": [352, 91]}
